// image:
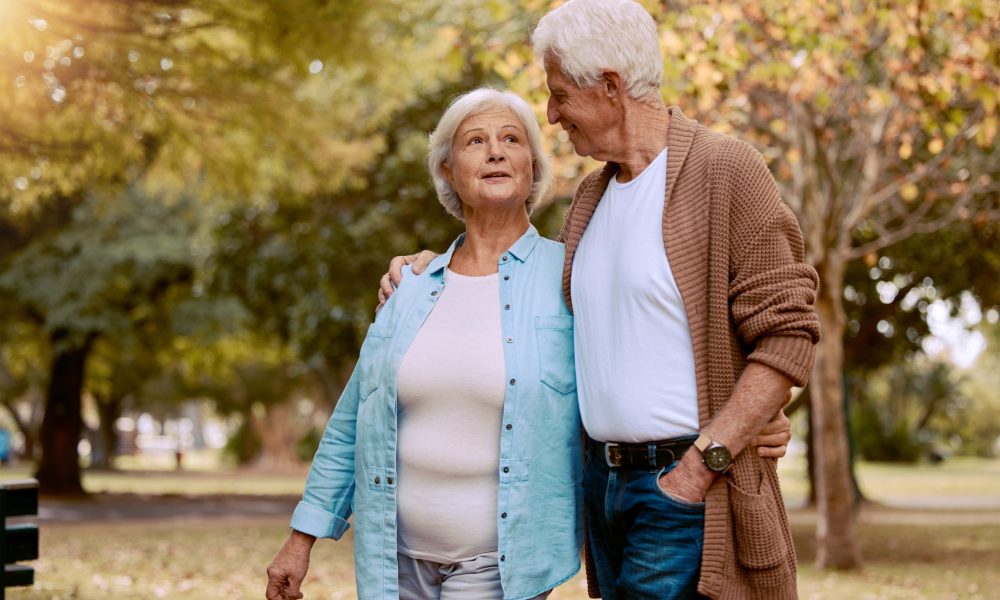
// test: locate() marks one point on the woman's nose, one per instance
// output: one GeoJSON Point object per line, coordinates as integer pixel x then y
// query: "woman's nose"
{"type": "Point", "coordinates": [495, 154]}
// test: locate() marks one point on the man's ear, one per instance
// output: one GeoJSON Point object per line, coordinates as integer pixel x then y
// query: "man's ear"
{"type": "Point", "coordinates": [611, 83]}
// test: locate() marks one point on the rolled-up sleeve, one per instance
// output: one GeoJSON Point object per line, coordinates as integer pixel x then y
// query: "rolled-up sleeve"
{"type": "Point", "coordinates": [329, 493]}
{"type": "Point", "coordinates": [772, 291]}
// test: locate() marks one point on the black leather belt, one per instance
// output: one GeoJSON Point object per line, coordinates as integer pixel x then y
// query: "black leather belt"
{"type": "Point", "coordinates": [645, 455]}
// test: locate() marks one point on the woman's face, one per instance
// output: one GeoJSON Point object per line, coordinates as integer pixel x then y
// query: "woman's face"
{"type": "Point", "coordinates": [491, 161]}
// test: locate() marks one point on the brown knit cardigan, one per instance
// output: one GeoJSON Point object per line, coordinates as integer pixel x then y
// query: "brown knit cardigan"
{"type": "Point", "coordinates": [736, 252]}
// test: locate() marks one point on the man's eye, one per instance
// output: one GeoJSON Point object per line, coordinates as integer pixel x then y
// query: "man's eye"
{"type": "Point", "coordinates": [510, 138]}
{"type": "Point", "coordinates": [476, 141]}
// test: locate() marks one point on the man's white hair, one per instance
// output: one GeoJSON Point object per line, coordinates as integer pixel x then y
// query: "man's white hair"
{"type": "Point", "coordinates": [592, 36]}
{"type": "Point", "coordinates": [476, 102]}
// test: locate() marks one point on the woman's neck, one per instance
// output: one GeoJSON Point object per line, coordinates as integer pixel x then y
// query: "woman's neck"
{"type": "Point", "coordinates": [487, 236]}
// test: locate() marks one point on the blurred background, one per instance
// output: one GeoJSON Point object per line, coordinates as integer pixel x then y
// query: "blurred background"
{"type": "Point", "coordinates": [197, 198]}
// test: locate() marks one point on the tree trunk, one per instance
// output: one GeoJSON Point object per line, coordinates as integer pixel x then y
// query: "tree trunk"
{"type": "Point", "coordinates": [279, 432]}
{"type": "Point", "coordinates": [837, 545]}
{"type": "Point", "coordinates": [59, 468]}
{"type": "Point", "coordinates": [108, 411]}
{"type": "Point", "coordinates": [810, 457]}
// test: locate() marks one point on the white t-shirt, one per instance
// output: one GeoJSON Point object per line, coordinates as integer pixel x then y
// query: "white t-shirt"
{"type": "Point", "coordinates": [451, 387]}
{"type": "Point", "coordinates": [634, 359]}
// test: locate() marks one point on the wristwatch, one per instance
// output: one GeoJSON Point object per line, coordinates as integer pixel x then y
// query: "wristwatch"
{"type": "Point", "coordinates": [716, 456]}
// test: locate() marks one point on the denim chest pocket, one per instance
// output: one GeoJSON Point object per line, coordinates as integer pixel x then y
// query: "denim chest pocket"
{"type": "Point", "coordinates": [557, 366]}
{"type": "Point", "coordinates": [372, 356]}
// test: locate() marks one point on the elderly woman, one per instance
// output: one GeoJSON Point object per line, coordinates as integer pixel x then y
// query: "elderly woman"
{"type": "Point", "coordinates": [456, 442]}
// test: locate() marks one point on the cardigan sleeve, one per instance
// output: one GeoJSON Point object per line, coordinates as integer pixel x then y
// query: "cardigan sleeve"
{"type": "Point", "coordinates": [772, 291]}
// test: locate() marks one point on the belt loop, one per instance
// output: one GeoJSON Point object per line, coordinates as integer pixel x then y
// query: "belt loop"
{"type": "Point", "coordinates": [651, 454]}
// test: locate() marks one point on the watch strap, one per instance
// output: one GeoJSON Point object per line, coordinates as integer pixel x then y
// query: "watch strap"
{"type": "Point", "coordinates": [702, 443]}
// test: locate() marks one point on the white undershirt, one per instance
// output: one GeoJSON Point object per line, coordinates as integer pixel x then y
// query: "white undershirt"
{"type": "Point", "coordinates": [634, 360]}
{"type": "Point", "coordinates": [451, 392]}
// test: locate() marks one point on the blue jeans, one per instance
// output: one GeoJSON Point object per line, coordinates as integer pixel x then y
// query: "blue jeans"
{"type": "Point", "coordinates": [645, 544]}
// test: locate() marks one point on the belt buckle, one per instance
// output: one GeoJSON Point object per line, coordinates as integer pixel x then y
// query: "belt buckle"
{"type": "Point", "coordinates": [607, 455]}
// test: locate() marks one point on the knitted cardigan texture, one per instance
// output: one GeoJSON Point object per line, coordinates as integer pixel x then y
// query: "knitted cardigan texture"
{"type": "Point", "coordinates": [736, 252]}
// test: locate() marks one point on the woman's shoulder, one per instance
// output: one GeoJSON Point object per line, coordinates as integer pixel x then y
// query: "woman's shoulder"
{"type": "Point", "coordinates": [552, 247]}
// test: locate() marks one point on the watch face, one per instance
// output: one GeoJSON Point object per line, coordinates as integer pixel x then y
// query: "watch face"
{"type": "Point", "coordinates": [718, 458]}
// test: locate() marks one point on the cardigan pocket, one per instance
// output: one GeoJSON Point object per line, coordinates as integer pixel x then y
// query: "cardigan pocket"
{"type": "Point", "coordinates": [760, 540]}
{"type": "Point", "coordinates": [557, 365]}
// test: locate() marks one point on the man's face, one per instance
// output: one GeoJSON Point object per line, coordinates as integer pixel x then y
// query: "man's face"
{"type": "Point", "coordinates": [585, 113]}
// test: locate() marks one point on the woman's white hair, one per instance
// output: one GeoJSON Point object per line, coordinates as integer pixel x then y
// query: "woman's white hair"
{"type": "Point", "coordinates": [592, 36]}
{"type": "Point", "coordinates": [476, 102]}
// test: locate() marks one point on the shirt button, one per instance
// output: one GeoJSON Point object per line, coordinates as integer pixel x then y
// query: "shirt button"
{"type": "Point", "coordinates": [434, 293]}
{"type": "Point", "coordinates": [378, 480]}
{"type": "Point", "coordinates": [510, 340]}
{"type": "Point", "coordinates": [513, 381]}
{"type": "Point", "coordinates": [507, 307]}
{"type": "Point", "coordinates": [505, 470]}
{"type": "Point", "coordinates": [509, 427]}
{"type": "Point", "coordinates": [388, 480]}
{"type": "Point", "coordinates": [503, 515]}
{"type": "Point", "coordinates": [506, 277]}
{"type": "Point", "coordinates": [504, 258]}
{"type": "Point", "coordinates": [503, 557]}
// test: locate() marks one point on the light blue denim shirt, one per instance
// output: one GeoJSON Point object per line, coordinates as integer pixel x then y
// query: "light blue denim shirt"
{"type": "Point", "coordinates": [539, 522]}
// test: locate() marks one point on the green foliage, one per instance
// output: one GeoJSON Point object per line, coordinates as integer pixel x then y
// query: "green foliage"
{"type": "Point", "coordinates": [306, 447]}
{"type": "Point", "coordinates": [978, 421]}
{"type": "Point", "coordinates": [110, 271]}
{"type": "Point", "coordinates": [909, 411]}
{"type": "Point", "coordinates": [887, 297]}
{"type": "Point", "coordinates": [244, 445]}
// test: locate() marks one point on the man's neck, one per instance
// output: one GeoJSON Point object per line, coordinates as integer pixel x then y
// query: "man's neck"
{"type": "Point", "coordinates": [645, 126]}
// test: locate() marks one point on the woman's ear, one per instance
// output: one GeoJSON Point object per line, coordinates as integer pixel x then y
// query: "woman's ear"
{"type": "Point", "coordinates": [446, 171]}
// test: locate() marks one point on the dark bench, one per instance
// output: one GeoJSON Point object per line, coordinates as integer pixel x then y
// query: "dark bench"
{"type": "Point", "coordinates": [18, 498]}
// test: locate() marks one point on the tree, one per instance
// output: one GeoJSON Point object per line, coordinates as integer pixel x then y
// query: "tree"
{"type": "Point", "coordinates": [106, 275]}
{"type": "Point", "coordinates": [182, 97]}
{"type": "Point", "coordinates": [879, 122]}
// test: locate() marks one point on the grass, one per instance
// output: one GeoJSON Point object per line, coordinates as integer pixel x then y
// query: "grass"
{"type": "Point", "coordinates": [924, 557]}
{"type": "Point", "coordinates": [909, 554]}
{"type": "Point", "coordinates": [958, 479]}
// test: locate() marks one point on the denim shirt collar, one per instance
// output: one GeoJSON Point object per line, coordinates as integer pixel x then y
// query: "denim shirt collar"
{"type": "Point", "coordinates": [520, 250]}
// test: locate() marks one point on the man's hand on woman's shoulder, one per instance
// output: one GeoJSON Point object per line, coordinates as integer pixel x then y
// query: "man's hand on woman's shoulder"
{"type": "Point", "coordinates": [390, 281]}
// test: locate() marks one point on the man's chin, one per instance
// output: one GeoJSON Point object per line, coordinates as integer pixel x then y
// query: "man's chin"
{"type": "Point", "coordinates": [581, 149]}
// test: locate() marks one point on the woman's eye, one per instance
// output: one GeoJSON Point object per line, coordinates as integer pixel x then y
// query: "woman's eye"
{"type": "Point", "coordinates": [476, 140]}
{"type": "Point", "coordinates": [510, 138]}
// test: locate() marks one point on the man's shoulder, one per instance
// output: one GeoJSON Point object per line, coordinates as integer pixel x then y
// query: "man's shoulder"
{"type": "Point", "coordinates": [724, 148]}
{"type": "Point", "coordinates": [589, 180]}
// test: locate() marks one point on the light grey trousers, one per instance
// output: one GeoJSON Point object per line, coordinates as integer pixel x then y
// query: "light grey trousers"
{"type": "Point", "coordinates": [475, 579]}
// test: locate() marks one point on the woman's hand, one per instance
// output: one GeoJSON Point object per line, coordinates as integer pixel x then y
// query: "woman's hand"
{"type": "Point", "coordinates": [288, 569]}
{"type": "Point", "coordinates": [391, 280]}
{"type": "Point", "coordinates": [772, 441]}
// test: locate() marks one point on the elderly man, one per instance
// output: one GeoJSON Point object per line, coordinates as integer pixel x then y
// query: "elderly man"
{"type": "Point", "coordinates": [693, 316]}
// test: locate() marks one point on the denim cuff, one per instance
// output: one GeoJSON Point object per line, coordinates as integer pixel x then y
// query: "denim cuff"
{"type": "Point", "coordinates": [318, 522]}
